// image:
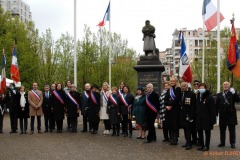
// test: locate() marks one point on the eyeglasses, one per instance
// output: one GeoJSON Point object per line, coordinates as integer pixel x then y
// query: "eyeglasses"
{"type": "Point", "coordinates": [196, 84]}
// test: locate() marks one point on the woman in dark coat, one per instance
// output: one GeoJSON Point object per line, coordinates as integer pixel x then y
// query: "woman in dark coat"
{"type": "Point", "coordinates": [113, 111]}
{"type": "Point", "coordinates": [126, 105]}
{"type": "Point", "coordinates": [139, 109]}
{"type": "Point", "coordinates": [23, 110]}
{"type": "Point", "coordinates": [205, 116]}
{"type": "Point", "coordinates": [58, 101]}
{"type": "Point", "coordinates": [94, 108]}
{"type": "Point", "coordinates": [172, 103]}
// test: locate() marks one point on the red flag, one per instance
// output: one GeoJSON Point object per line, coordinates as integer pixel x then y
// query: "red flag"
{"type": "Point", "coordinates": [15, 75]}
{"type": "Point", "coordinates": [3, 77]}
{"type": "Point", "coordinates": [233, 61]}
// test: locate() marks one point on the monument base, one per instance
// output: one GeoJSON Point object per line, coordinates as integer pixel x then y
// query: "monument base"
{"type": "Point", "coordinates": [149, 70]}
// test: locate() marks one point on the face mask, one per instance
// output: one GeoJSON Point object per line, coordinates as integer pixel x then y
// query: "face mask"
{"type": "Point", "coordinates": [202, 91]}
{"type": "Point", "coordinates": [12, 88]}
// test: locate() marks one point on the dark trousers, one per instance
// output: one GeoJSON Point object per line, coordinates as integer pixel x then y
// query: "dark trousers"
{"type": "Point", "coordinates": [38, 123]}
{"type": "Point", "coordinates": [93, 126]}
{"type": "Point", "coordinates": [69, 123]}
{"type": "Point", "coordinates": [85, 120]}
{"type": "Point", "coordinates": [23, 124]}
{"type": "Point", "coordinates": [116, 127]}
{"type": "Point", "coordinates": [1, 121]}
{"type": "Point", "coordinates": [166, 131]}
{"type": "Point", "coordinates": [107, 124]}
{"type": "Point", "coordinates": [59, 124]}
{"type": "Point", "coordinates": [232, 133]}
{"type": "Point", "coordinates": [13, 121]}
{"type": "Point", "coordinates": [174, 135]}
{"type": "Point", "coordinates": [126, 123]}
{"type": "Point", "coordinates": [73, 123]}
{"type": "Point", "coordinates": [151, 128]}
{"type": "Point", "coordinates": [187, 134]}
{"type": "Point", "coordinates": [47, 121]}
{"type": "Point", "coordinates": [207, 138]}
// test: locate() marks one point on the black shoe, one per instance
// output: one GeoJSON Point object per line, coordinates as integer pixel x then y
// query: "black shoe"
{"type": "Point", "coordinates": [1, 132]}
{"type": "Point", "coordinates": [25, 132]}
{"type": "Point", "coordinates": [125, 135]}
{"type": "Point", "coordinates": [21, 132]}
{"type": "Point", "coordinates": [185, 145]}
{"type": "Point", "coordinates": [205, 149]}
{"type": "Point", "coordinates": [117, 133]}
{"type": "Point", "coordinates": [221, 145]}
{"type": "Point", "coordinates": [39, 131]}
{"type": "Point", "coordinates": [233, 146]}
{"type": "Point", "coordinates": [165, 140]}
{"type": "Point", "coordinates": [94, 132]}
{"type": "Point", "coordinates": [31, 133]}
{"type": "Point", "coordinates": [84, 130]}
{"type": "Point", "coordinates": [45, 131]}
{"type": "Point", "coordinates": [147, 141]}
{"type": "Point", "coordinates": [13, 132]}
{"type": "Point", "coordinates": [51, 131]}
{"type": "Point", "coordinates": [188, 147]}
{"type": "Point", "coordinates": [200, 148]}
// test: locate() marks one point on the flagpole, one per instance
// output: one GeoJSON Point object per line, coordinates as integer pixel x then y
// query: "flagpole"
{"type": "Point", "coordinates": [218, 46]}
{"type": "Point", "coordinates": [203, 51]}
{"type": "Point", "coordinates": [75, 43]}
{"type": "Point", "coordinates": [110, 47]}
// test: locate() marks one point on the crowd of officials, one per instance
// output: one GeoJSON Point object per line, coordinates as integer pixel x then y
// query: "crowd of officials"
{"type": "Point", "coordinates": [195, 110]}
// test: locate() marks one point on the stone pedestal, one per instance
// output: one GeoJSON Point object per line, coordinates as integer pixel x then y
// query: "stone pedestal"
{"type": "Point", "coordinates": [149, 70]}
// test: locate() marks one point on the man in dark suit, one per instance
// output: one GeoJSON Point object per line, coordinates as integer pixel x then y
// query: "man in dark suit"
{"type": "Point", "coordinates": [47, 111]}
{"type": "Point", "coordinates": [187, 108]}
{"type": "Point", "coordinates": [85, 106]}
{"type": "Point", "coordinates": [225, 105]}
{"type": "Point", "coordinates": [1, 113]}
{"type": "Point", "coordinates": [152, 101]}
{"type": "Point", "coordinates": [73, 107]}
{"type": "Point", "coordinates": [11, 100]}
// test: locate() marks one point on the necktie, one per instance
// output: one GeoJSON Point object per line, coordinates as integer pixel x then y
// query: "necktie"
{"type": "Point", "coordinates": [182, 97]}
{"type": "Point", "coordinates": [47, 95]}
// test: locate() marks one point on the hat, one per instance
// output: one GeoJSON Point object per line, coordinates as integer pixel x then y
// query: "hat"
{"type": "Point", "coordinates": [140, 88]}
{"type": "Point", "coordinates": [73, 85]}
{"type": "Point", "coordinates": [196, 81]}
{"type": "Point", "coordinates": [94, 86]}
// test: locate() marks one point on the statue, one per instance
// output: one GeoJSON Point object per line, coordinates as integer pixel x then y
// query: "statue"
{"type": "Point", "coordinates": [148, 37]}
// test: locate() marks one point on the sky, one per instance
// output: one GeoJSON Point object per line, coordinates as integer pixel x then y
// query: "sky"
{"type": "Point", "coordinates": [128, 17]}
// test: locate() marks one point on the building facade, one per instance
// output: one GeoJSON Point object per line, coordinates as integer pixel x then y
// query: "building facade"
{"type": "Point", "coordinates": [17, 8]}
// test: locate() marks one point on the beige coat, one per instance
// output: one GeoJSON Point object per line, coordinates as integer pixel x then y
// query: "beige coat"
{"type": "Point", "coordinates": [33, 102]}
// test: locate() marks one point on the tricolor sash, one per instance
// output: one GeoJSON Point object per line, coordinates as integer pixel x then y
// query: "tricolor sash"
{"type": "Point", "coordinates": [58, 97]}
{"type": "Point", "coordinates": [172, 94]}
{"type": "Point", "coordinates": [150, 105]}
{"type": "Point", "coordinates": [119, 92]}
{"type": "Point", "coordinates": [73, 99]}
{"type": "Point", "coordinates": [123, 100]}
{"type": "Point", "coordinates": [113, 100]}
{"type": "Point", "coordinates": [36, 94]}
{"type": "Point", "coordinates": [85, 94]}
{"type": "Point", "coordinates": [93, 98]}
{"type": "Point", "coordinates": [105, 96]}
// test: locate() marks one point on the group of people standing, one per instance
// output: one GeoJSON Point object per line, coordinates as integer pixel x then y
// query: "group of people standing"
{"type": "Point", "coordinates": [179, 106]}
{"type": "Point", "coordinates": [196, 112]}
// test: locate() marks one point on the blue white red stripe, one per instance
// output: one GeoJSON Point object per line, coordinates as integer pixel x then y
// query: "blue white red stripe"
{"type": "Point", "coordinates": [172, 94]}
{"type": "Point", "coordinates": [185, 70]}
{"type": "Point", "coordinates": [106, 16]}
{"type": "Point", "coordinates": [104, 93]}
{"type": "Point", "coordinates": [123, 100]}
{"type": "Point", "coordinates": [15, 75]}
{"type": "Point", "coordinates": [58, 97]}
{"type": "Point", "coordinates": [150, 105]}
{"type": "Point", "coordinates": [93, 98]}
{"type": "Point", "coordinates": [209, 13]}
{"type": "Point", "coordinates": [36, 94]}
{"type": "Point", "coordinates": [85, 94]}
{"type": "Point", "coordinates": [3, 85]}
{"type": "Point", "coordinates": [73, 99]}
{"type": "Point", "coordinates": [113, 100]}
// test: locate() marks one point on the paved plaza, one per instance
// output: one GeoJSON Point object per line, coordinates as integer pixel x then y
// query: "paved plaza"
{"type": "Point", "coordinates": [81, 146]}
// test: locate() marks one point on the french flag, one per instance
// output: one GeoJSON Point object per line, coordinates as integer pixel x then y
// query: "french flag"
{"type": "Point", "coordinates": [106, 17]}
{"type": "Point", "coordinates": [209, 13]}
{"type": "Point", "coordinates": [185, 69]}
{"type": "Point", "coordinates": [15, 75]}
{"type": "Point", "coordinates": [3, 77]}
